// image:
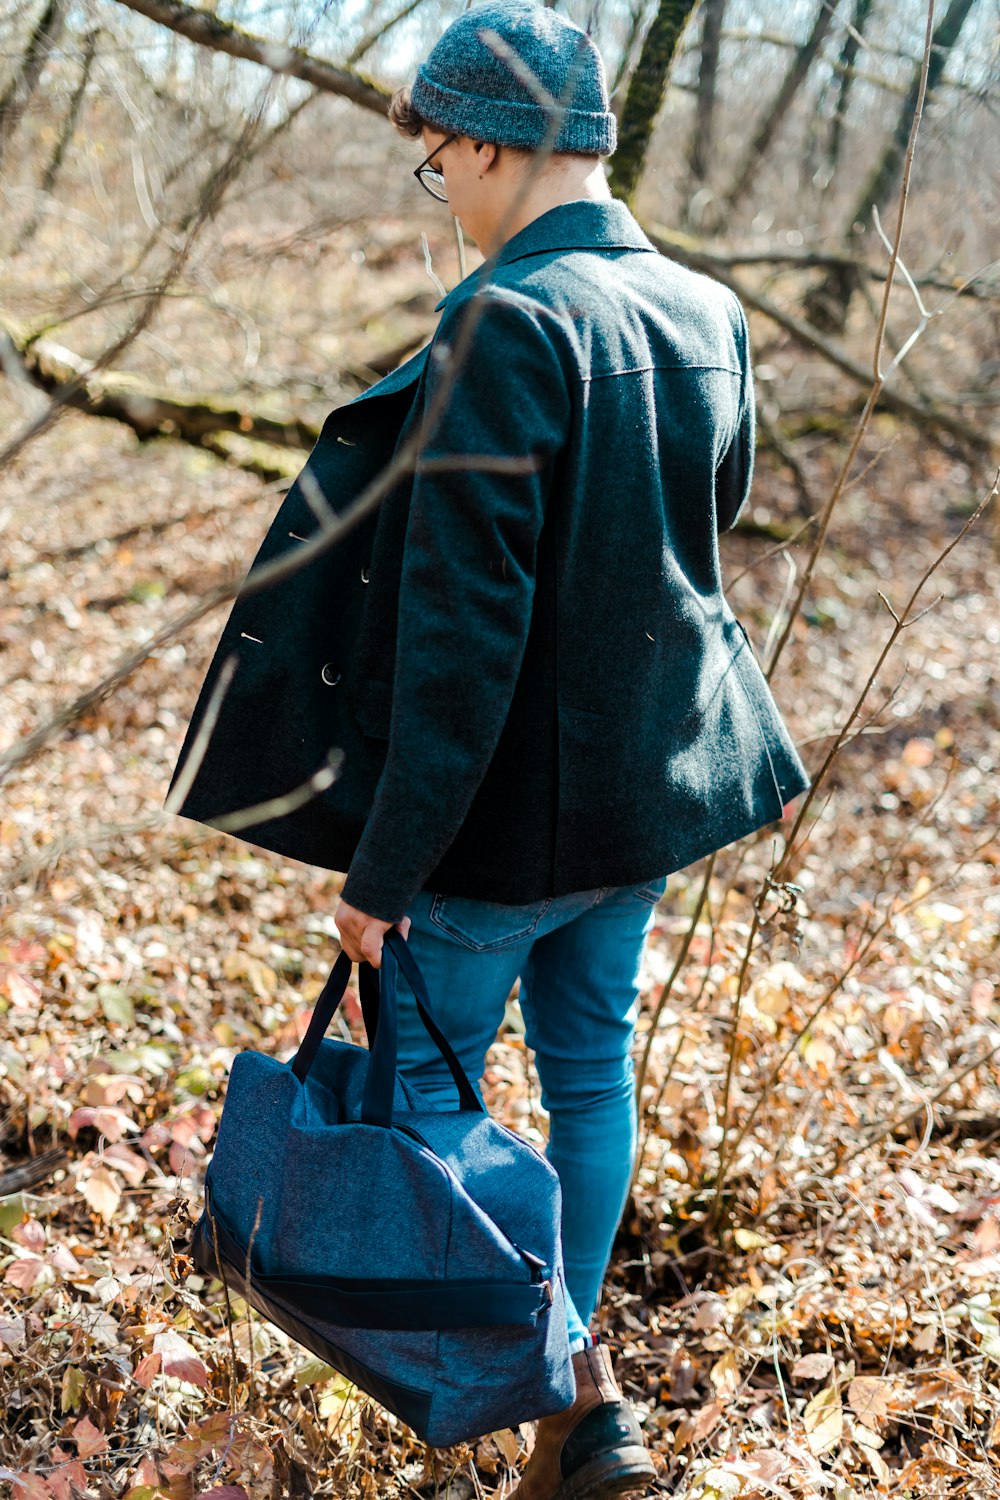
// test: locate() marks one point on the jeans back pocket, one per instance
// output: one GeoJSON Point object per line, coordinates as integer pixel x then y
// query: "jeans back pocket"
{"type": "Point", "coordinates": [484, 926]}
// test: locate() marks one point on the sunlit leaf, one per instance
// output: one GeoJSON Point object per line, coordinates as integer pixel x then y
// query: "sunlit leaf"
{"type": "Point", "coordinates": [748, 1239]}
{"type": "Point", "coordinates": [824, 1421]}
{"type": "Point", "coordinates": [725, 1375]}
{"type": "Point", "coordinates": [72, 1387]}
{"type": "Point", "coordinates": [102, 1192]}
{"type": "Point", "coordinates": [868, 1398]}
{"type": "Point", "coordinates": [507, 1443]}
{"type": "Point", "coordinates": [179, 1359]}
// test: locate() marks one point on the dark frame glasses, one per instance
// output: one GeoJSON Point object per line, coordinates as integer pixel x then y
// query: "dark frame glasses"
{"type": "Point", "coordinates": [431, 179]}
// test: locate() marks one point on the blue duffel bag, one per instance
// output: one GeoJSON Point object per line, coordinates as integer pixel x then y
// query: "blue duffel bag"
{"type": "Point", "coordinates": [416, 1250]}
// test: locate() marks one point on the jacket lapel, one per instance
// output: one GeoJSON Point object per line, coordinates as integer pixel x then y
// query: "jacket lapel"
{"type": "Point", "coordinates": [397, 380]}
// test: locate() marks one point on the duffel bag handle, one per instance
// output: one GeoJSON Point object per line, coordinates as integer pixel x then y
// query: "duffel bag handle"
{"type": "Point", "coordinates": [376, 1102]}
{"type": "Point", "coordinates": [381, 1078]}
{"type": "Point", "coordinates": [323, 1013]}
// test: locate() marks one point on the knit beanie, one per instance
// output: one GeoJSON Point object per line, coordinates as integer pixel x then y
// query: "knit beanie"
{"type": "Point", "coordinates": [466, 86]}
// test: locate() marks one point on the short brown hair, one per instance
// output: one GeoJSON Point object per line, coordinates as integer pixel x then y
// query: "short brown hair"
{"type": "Point", "coordinates": [410, 122]}
{"type": "Point", "coordinates": [403, 115]}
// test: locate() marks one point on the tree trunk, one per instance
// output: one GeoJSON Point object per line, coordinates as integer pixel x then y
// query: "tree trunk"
{"type": "Point", "coordinates": [793, 81]}
{"type": "Point", "coordinates": [700, 149]}
{"type": "Point", "coordinates": [62, 145]}
{"type": "Point", "coordinates": [624, 62]}
{"type": "Point", "coordinates": [645, 95]}
{"type": "Point", "coordinates": [848, 56]}
{"type": "Point", "coordinates": [886, 174]}
{"type": "Point", "coordinates": [25, 82]}
{"type": "Point", "coordinates": [827, 304]}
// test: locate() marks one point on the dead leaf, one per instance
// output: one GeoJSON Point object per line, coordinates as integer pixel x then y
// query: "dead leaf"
{"type": "Point", "coordinates": [725, 1375]}
{"type": "Point", "coordinates": [812, 1366]}
{"type": "Point", "coordinates": [824, 1421]}
{"type": "Point", "coordinates": [112, 1122]}
{"type": "Point", "coordinates": [11, 1331]}
{"type": "Point", "coordinates": [108, 1088]}
{"type": "Point", "coordinates": [102, 1192]}
{"type": "Point", "coordinates": [147, 1367]}
{"type": "Point", "coordinates": [507, 1443]}
{"type": "Point", "coordinates": [926, 1339]}
{"type": "Point", "coordinates": [88, 1438]}
{"type": "Point", "coordinates": [24, 1271]}
{"type": "Point", "coordinates": [64, 1260]}
{"type": "Point", "coordinates": [179, 1359]}
{"type": "Point", "coordinates": [705, 1420]}
{"type": "Point", "coordinates": [748, 1239]}
{"type": "Point", "coordinates": [710, 1314]}
{"type": "Point", "coordinates": [868, 1398]}
{"type": "Point", "coordinates": [263, 979]}
{"type": "Point", "coordinates": [24, 993]}
{"type": "Point", "coordinates": [129, 1163]}
{"type": "Point", "coordinates": [30, 1487]}
{"type": "Point", "coordinates": [30, 1234]}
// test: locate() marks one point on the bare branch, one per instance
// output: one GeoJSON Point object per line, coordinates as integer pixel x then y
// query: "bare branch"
{"type": "Point", "coordinates": [930, 418]}
{"type": "Point", "coordinates": [294, 62]}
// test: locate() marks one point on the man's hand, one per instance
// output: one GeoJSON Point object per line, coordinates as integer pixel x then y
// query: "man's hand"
{"type": "Point", "coordinates": [361, 936]}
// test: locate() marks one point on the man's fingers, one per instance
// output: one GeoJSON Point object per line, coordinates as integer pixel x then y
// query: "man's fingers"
{"type": "Point", "coordinates": [371, 947]}
{"type": "Point", "coordinates": [350, 947]}
{"type": "Point", "coordinates": [404, 927]}
{"type": "Point", "coordinates": [361, 936]}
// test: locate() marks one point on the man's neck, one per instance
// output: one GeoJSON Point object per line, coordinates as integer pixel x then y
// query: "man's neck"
{"type": "Point", "coordinates": [568, 184]}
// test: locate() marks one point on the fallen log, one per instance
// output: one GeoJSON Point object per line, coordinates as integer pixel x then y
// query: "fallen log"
{"type": "Point", "coordinates": [150, 413]}
{"type": "Point", "coordinates": [32, 1173]}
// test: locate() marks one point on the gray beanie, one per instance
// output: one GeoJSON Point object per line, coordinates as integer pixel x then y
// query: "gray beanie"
{"type": "Point", "coordinates": [466, 86]}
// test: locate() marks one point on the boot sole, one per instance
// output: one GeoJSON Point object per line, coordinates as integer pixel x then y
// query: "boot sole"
{"type": "Point", "coordinates": [626, 1471]}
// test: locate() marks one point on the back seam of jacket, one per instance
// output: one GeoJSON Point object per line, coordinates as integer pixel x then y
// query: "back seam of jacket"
{"type": "Point", "coordinates": [642, 370]}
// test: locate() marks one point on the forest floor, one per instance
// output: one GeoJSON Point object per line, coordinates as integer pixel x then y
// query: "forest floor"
{"type": "Point", "coordinates": [834, 1332]}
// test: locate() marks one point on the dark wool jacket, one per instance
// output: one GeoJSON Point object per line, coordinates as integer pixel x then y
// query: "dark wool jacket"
{"type": "Point", "coordinates": [534, 676]}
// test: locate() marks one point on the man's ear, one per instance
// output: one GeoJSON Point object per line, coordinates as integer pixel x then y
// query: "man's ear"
{"type": "Point", "coordinates": [487, 153]}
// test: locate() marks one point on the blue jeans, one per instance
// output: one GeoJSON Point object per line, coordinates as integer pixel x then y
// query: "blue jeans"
{"type": "Point", "coordinates": [578, 959]}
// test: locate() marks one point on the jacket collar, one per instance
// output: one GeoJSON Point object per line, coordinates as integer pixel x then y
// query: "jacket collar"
{"type": "Point", "coordinates": [583, 224]}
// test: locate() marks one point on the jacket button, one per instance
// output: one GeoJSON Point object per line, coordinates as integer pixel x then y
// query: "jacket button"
{"type": "Point", "coordinates": [330, 675]}
{"type": "Point", "coordinates": [364, 575]}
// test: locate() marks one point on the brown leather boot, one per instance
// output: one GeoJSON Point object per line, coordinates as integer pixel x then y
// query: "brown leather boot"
{"type": "Point", "coordinates": [591, 1449]}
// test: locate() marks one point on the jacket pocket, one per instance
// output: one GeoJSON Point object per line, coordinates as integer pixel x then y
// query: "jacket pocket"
{"type": "Point", "coordinates": [486, 926]}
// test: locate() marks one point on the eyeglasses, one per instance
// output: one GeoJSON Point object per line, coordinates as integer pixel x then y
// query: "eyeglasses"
{"type": "Point", "coordinates": [431, 179]}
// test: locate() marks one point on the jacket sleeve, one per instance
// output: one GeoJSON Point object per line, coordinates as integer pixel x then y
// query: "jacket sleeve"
{"type": "Point", "coordinates": [734, 473]}
{"type": "Point", "coordinates": [466, 592]}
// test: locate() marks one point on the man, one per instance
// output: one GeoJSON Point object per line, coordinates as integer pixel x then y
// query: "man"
{"type": "Point", "coordinates": [544, 702]}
